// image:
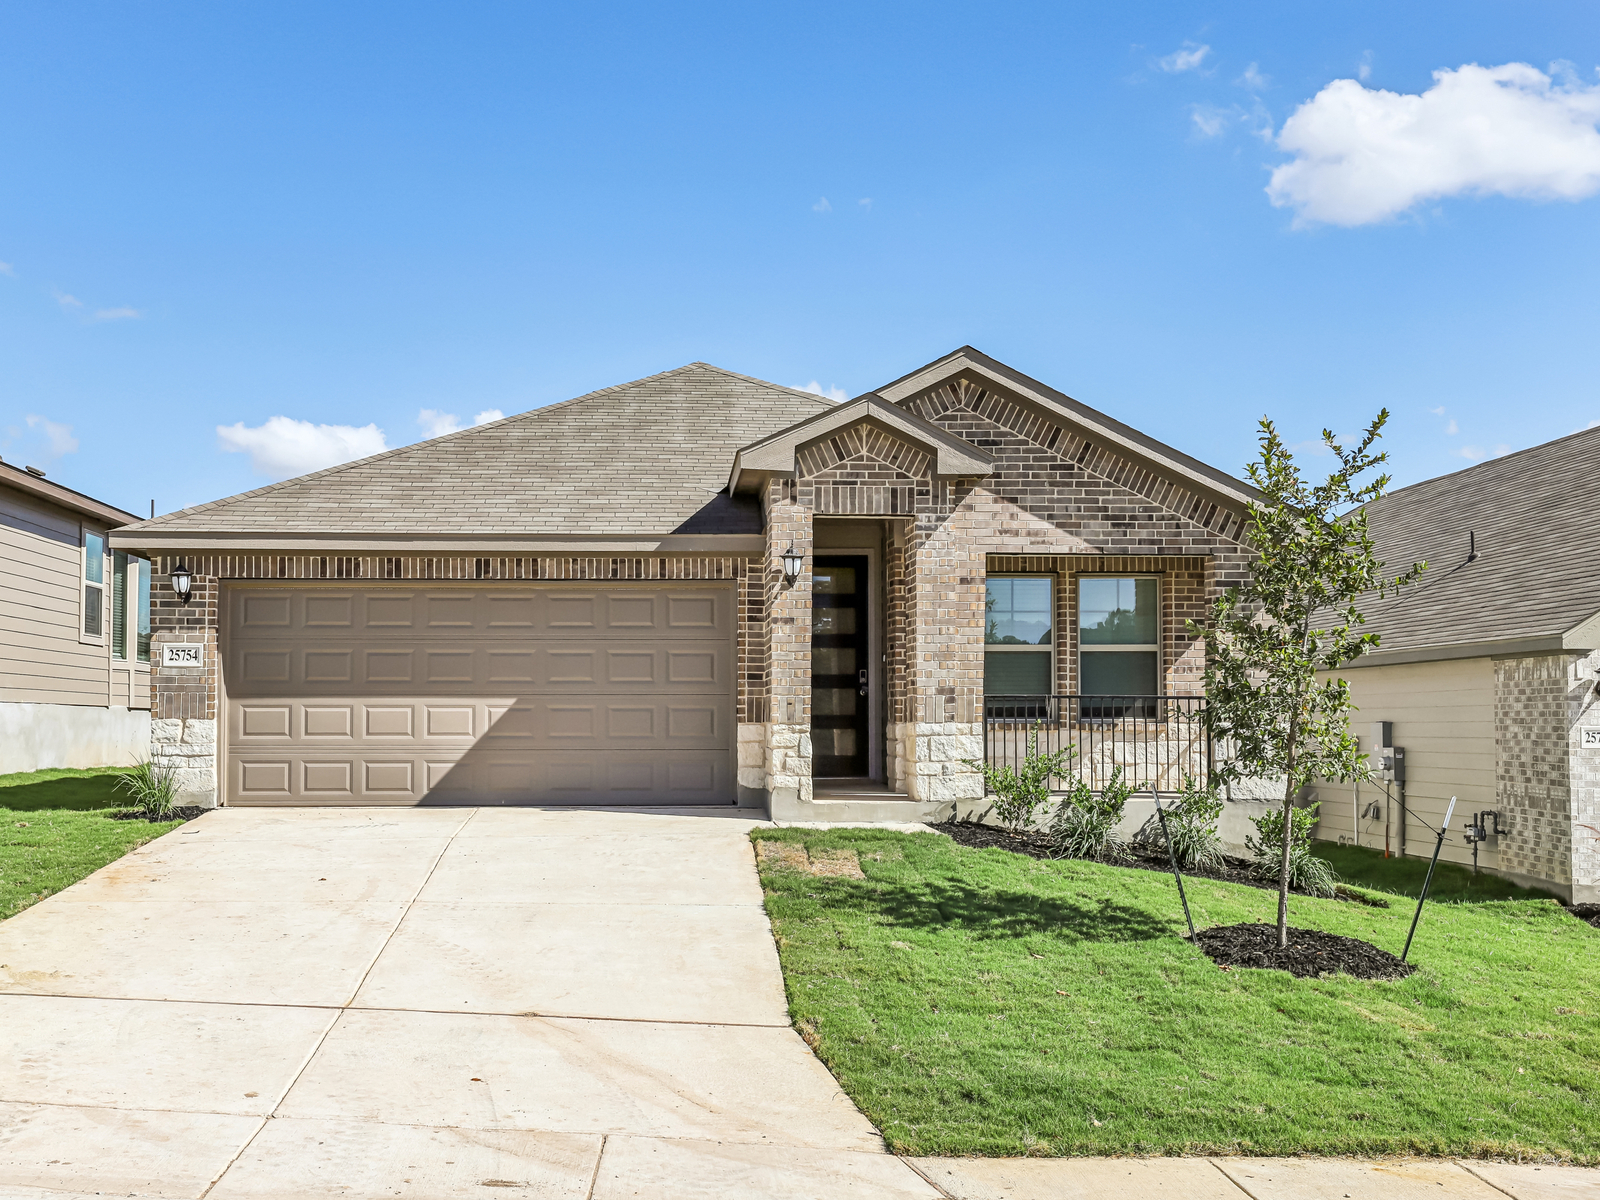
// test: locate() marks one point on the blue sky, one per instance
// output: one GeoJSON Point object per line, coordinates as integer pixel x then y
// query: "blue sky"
{"type": "Point", "coordinates": [217, 215]}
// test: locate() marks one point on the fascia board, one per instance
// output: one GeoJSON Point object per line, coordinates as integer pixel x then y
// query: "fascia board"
{"type": "Point", "coordinates": [63, 497]}
{"type": "Point", "coordinates": [1499, 648]}
{"type": "Point", "coordinates": [175, 542]}
{"type": "Point", "coordinates": [1222, 487]}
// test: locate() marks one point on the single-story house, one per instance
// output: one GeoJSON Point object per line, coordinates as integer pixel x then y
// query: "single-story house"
{"type": "Point", "coordinates": [1487, 679]}
{"type": "Point", "coordinates": [74, 630]}
{"type": "Point", "coordinates": [697, 588]}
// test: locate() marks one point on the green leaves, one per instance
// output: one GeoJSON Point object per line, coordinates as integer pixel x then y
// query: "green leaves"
{"type": "Point", "coordinates": [1019, 792]}
{"type": "Point", "coordinates": [1299, 614]}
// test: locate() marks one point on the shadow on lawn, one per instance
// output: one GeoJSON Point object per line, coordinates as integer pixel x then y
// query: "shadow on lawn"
{"type": "Point", "coordinates": [1004, 913]}
{"type": "Point", "coordinates": [76, 793]}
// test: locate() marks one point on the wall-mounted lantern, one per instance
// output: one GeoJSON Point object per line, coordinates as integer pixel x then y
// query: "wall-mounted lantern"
{"type": "Point", "coordinates": [180, 582]}
{"type": "Point", "coordinates": [792, 562]}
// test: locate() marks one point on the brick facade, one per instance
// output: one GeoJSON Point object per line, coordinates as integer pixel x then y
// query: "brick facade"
{"type": "Point", "coordinates": [1055, 504]}
{"type": "Point", "coordinates": [1547, 782]}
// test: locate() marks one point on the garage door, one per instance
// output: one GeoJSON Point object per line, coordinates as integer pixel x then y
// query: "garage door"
{"type": "Point", "coordinates": [480, 695]}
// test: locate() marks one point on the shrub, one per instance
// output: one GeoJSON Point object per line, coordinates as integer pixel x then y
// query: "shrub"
{"type": "Point", "coordinates": [1310, 874]}
{"type": "Point", "coordinates": [1020, 792]}
{"type": "Point", "coordinates": [152, 788]}
{"type": "Point", "coordinates": [1192, 825]}
{"type": "Point", "coordinates": [1085, 825]}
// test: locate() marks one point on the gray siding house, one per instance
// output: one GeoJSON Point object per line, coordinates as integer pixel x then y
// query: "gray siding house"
{"type": "Point", "coordinates": [697, 588]}
{"type": "Point", "coordinates": [74, 630]}
{"type": "Point", "coordinates": [1489, 671]}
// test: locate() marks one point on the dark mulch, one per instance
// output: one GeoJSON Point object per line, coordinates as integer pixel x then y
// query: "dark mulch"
{"type": "Point", "coordinates": [1586, 912]}
{"type": "Point", "coordinates": [186, 812]}
{"type": "Point", "coordinates": [1036, 845]}
{"type": "Point", "coordinates": [1310, 952]}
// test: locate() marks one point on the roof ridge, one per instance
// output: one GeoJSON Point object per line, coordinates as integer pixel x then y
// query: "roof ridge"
{"type": "Point", "coordinates": [539, 411]}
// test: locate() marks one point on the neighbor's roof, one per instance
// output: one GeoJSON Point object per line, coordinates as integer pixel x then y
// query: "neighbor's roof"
{"type": "Point", "coordinates": [1533, 586]}
{"type": "Point", "coordinates": [645, 458]}
{"type": "Point", "coordinates": [37, 485]}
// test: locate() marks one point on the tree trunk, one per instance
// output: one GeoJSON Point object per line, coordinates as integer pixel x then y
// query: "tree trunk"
{"type": "Point", "coordinates": [1283, 874]}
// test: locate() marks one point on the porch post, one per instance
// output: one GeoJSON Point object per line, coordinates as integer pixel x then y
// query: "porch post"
{"type": "Point", "coordinates": [786, 769]}
{"type": "Point", "coordinates": [946, 576]}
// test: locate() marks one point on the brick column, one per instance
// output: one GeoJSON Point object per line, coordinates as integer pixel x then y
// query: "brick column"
{"type": "Point", "coordinates": [946, 572]}
{"type": "Point", "coordinates": [784, 736]}
{"type": "Point", "coordinates": [184, 700]}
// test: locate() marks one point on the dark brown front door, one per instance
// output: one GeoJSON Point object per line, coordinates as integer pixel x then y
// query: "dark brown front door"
{"type": "Point", "coordinates": [839, 669]}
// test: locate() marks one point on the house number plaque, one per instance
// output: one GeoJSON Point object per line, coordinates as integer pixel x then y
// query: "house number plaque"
{"type": "Point", "coordinates": [183, 655]}
{"type": "Point", "coordinates": [1591, 739]}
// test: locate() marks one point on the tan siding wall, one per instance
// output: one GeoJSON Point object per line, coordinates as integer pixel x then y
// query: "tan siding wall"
{"type": "Point", "coordinates": [41, 659]}
{"type": "Point", "coordinates": [1443, 714]}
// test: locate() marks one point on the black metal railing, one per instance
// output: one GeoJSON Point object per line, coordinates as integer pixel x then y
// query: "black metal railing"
{"type": "Point", "coordinates": [1156, 740]}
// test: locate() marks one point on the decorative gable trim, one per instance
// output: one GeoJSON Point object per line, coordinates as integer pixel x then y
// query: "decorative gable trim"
{"type": "Point", "coordinates": [1068, 445]}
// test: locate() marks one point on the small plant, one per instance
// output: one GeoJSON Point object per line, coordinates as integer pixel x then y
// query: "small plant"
{"type": "Point", "coordinates": [153, 789]}
{"type": "Point", "coordinates": [1085, 825]}
{"type": "Point", "coordinates": [1312, 875]}
{"type": "Point", "coordinates": [1019, 793]}
{"type": "Point", "coordinates": [1192, 825]}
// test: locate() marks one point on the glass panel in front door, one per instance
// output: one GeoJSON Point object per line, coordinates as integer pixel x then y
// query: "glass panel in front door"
{"type": "Point", "coordinates": [840, 704]}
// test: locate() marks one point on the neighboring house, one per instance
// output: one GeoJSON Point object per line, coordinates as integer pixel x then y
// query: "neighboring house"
{"type": "Point", "coordinates": [589, 603]}
{"type": "Point", "coordinates": [1488, 671]}
{"type": "Point", "coordinates": [74, 630]}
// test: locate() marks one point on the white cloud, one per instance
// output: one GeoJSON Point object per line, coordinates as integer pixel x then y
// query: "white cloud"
{"type": "Point", "coordinates": [1187, 59]}
{"type": "Point", "coordinates": [66, 300]}
{"type": "Point", "coordinates": [7, 269]}
{"type": "Point", "coordinates": [822, 206]}
{"type": "Point", "coordinates": [117, 314]}
{"type": "Point", "coordinates": [865, 202]}
{"type": "Point", "coordinates": [836, 394]}
{"type": "Point", "coordinates": [1254, 79]}
{"type": "Point", "coordinates": [59, 437]}
{"type": "Point", "coordinates": [1364, 71]}
{"type": "Point", "coordinates": [436, 424]}
{"type": "Point", "coordinates": [1363, 155]}
{"type": "Point", "coordinates": [1211, 121]}
{"type": "Point", "coordinates": [283, 447]}
{"type": "Point", "coordinates": [1452, 428]}
{"type": "Point", "coordinates": [1438, 412]}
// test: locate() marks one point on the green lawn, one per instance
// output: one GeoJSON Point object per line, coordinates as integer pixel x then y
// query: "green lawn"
{"type": "Point", "coordinates": [1451, 883]}
{"type": "Point", "coordinates": [56, 827]}
{"type": "Point", "coordinates": [983, 1002]}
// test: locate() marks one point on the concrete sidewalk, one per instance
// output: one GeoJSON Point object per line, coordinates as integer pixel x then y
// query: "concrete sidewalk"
{"type": "Point", "coordinates": [438, 1003]}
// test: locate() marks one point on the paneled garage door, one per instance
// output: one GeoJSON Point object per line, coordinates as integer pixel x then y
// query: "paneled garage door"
{"type": "Point", "coordinates": [480, 694]}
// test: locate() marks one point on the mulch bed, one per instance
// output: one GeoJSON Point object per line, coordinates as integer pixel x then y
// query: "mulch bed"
{"type": "Point", "coordinates": [1586, 912]}
{"type": "Point", "coordinates": [1310, 952]}
{"type": "Point", "coordinates": [187, 812]}
{"type": "Point", "coordinates": [1036, 845]}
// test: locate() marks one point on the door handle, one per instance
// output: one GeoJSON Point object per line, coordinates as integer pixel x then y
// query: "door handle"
{"type": "Point", "coordinates": [861, 679]}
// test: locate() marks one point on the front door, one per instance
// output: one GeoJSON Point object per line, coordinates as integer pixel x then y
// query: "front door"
{"type": "Point", "coordinates": [839, 668]}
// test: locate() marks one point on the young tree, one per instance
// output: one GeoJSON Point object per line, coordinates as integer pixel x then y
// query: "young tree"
{"type": "Point", "coordinates": [1298, 614]}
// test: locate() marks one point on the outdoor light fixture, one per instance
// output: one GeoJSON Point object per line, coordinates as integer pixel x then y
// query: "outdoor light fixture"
{"type": "Point", "coordinates": [180, 582]}
{"type": "Point", "coordinates": [792, 561]}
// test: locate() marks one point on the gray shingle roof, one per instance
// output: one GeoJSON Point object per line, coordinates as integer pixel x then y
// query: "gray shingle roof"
{"type": "Point", "coordinates": [1536, 517]}
{"type": "Point", "coordinates": [647, 457]}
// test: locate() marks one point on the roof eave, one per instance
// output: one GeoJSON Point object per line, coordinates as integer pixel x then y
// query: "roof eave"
{"type": "Point", "coordinates": [66, 497]}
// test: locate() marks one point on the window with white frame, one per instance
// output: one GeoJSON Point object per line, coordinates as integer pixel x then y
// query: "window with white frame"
{"type": "Point", "coordinates": [1018, 636]}
{"type": "Point", "coordinates": [130, 606]}
{"type": "Point", "coordinates": [1119, 641]}
{"type": "Point", "coordinates": [94, 585]}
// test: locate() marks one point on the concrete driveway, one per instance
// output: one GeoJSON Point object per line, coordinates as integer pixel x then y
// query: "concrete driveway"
{"type": "Point", "coordinates": [420, 1003]}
